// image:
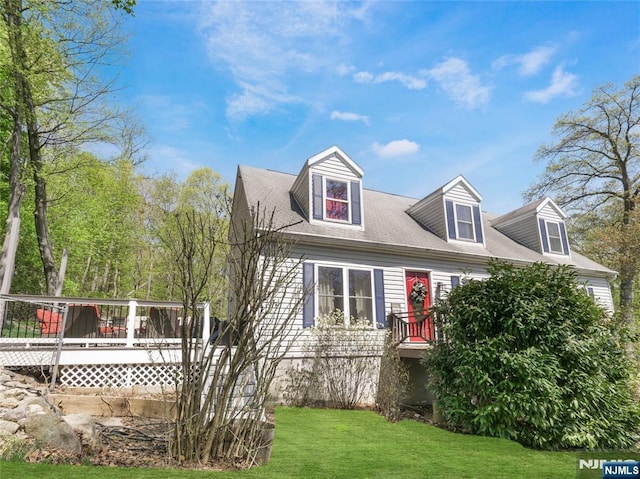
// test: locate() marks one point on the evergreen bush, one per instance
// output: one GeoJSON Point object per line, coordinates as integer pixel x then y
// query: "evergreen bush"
{"type": "Point", "coordinates": [530, 357]}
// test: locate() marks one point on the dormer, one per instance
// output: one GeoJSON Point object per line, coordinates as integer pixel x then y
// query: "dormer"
{"type": "Point", "coordinates": [452, 212]}
{"type": "Point", "coordinates": [539, 226]}
{"type": "Point", "coordinates": [328, 189]}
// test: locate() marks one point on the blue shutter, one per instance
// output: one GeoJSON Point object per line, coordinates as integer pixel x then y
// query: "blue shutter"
{"type": "Point", "coordinates": [477, 223]}
{"type": "Point", "coordinates": [543, 234]}
{"type": "Point", "coordinates": [455, 282]}
{"type": "Point", "coordinates": [308, 285]}
{"type": "Point", "coordinates": [316, 191]}
{"type": "Point", "coordinates": [378, 284]}
{"type": "Point", "coordinates": [590, 292]}
{"type": "Point", "coordinates": [451, 220]}
{"type": "Point", "coordinates": [563, 235]}
{"type": "Point", "coordinates": [356, 212]}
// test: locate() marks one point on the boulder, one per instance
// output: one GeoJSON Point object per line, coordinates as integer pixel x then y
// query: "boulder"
{"type": "Point", "coordinates": [52, 431]}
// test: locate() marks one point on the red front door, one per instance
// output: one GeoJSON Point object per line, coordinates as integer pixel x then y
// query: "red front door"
{"type": "Point", "coordinates": [418, 289]}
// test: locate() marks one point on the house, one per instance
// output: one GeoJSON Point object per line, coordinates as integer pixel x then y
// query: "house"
{"type": "Point", "coordinates": [383, 258]}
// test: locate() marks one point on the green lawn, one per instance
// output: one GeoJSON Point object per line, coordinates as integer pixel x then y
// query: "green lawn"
{"type": "Point", "coordinates": [322, 443]}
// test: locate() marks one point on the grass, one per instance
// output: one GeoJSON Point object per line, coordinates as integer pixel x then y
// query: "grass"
{"type": "Point", "coordinates": [323, 443]}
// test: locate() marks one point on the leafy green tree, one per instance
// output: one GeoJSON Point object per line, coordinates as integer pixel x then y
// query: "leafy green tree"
{"type": "Point", "coordinates": [205, 194]}
{"type": "Point", "coordinates": [530, 357]}
{"type": "Point", "coordinates": [594, 168]}
{"type": "Point", "coordinates": [56, 96]}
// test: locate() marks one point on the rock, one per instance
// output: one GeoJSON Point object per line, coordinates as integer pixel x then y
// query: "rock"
{"type": "Point", "coordinates": [52, 431]}
{"type": "Point", "coordinates": [8, 427]}
{"type": "Point", "coordinates": [8, 402]}
{"type": "Point", "coordinates": [17, 393]}
{"type": "Point", "coordinates": [16, 414]}
{"type": "Point", "coordinates": [83, 425]}
{"type": "Point", "coordinates": [33, 409]}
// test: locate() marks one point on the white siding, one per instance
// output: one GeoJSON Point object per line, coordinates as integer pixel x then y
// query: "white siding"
{"type": "Point", "coordinates": [394, 268]}
{"type": "Point", "coordinates": [525, 231]}
{"type": "Point", "coordinates": [549, 213]}
{"type": "Point", "coordinates": [301, 191]}
{"type": "Point", "coordinates": [601, 291]}
{"type": "Point", "coordinates": [460, 194]}
{"type": "Point", "coordinates": [334, 167]}
{"type": "Point", "coordinates": [431, 214]}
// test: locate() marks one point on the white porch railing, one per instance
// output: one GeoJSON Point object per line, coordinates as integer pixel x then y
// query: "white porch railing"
{"type": "Point", "coordinates": [95, 342]}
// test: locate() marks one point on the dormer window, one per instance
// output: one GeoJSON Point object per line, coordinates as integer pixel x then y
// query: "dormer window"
{"type": "Point", "coordinates": [555, 240]}
{"type": "Point", "coordinates": [336, 200]}
{"type": "Point", "coordinates": [554, 237]}
{"type": "Point", "coordinates": [464, 222]}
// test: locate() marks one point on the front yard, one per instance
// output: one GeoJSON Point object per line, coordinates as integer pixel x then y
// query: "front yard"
{"type": "Point", "coordinates": [324, 443]}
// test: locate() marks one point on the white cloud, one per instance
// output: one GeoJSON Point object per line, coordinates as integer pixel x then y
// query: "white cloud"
{"type": "Point", "coordinates": [346, 116]}
{"type": "Point", "coordinates": [262, 43]}
{"type": "Point", "coordinates": [363, 77]}
{"type": "Point", "coordinates": [528, 63]}
{"type": "Point", "coordinates": [562, 84]}
{"type": "Point", "coordinates": [395, 148]}
{"type": "Point", "coordinates": [455, 78]}
{"type": "Point", "coordinates": [344, 70]}
{"type": "Point", "coordinates": [410, 82]}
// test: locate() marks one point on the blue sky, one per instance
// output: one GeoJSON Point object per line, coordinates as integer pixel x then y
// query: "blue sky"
{"type": "Point", "coordinates": [416, 93]}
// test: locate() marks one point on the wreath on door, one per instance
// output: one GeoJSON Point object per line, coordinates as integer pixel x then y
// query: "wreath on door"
{"type": "Point", "coordinates": [418, 296]}
{"type": "Point", "coordinates": [418, 292]}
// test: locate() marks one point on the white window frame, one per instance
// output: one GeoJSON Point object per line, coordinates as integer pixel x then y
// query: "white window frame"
{"type": "Point", "coordinates": [345, 290]}
{"type": "Point", "coordinates": [559, 237]}
{"type": "Point", "coordinates": [325, 199]}
{"type": "Point", "coordinates": [455, 221]}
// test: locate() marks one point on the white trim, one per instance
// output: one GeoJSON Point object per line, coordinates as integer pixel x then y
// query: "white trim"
{"type": "Point", "coordinates": [455, 217]}
{"type": "Point", "coordinates": [349, 220]}
{"type": "Point", "coordinates": [551, 250]}
{"type": "Point", "coordinates": [550, 202]}
{"type": "Point", "coordinates": [345, 267]}
{"type": "Point", "coordinates": [461, 179]}
{"type": "Point", "coordinates": [338, 153]}
{"type": "Point", "coordinates": [455, 222]}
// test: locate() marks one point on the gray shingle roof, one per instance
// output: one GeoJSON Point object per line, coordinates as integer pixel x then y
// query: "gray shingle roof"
{"type": "Point", "coordinates": [388, 226]}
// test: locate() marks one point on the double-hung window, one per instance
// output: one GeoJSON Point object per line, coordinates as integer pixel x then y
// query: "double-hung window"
{"type": "Point", "coordinates": [336, 200]}
{"type": "Point", "coordinates": [464, 222]}
{"type": "Point", "coordinates": [554, 237]}
{"type": "Point", "coordinates": [348, 290]}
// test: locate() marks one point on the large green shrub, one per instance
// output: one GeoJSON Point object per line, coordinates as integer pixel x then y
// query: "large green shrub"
{"type": "Point", "coordinates": [530, 357]}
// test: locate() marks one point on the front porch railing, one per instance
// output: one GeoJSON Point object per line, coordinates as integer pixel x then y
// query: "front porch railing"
{"type": "Point", "coordinates": [407, 328]}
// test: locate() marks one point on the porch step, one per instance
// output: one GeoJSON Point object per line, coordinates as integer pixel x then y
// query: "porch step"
{"type": "Point", "coordinates": [413, 350]}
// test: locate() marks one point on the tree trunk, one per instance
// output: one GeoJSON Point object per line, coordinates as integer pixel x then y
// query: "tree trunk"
{"type": "Point", "coordinates": [40, 213]}
{"type": "Point", "coordinates": [16, 193]}
{"type": "Point", "coordinates": [24, 98]}
{"type": "Point", "coordinates": [16, 187]}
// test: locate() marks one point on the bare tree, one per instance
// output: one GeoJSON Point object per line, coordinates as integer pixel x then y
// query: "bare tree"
{"type": "Point", "coordinates": [224, 385]}
{"type": "Point", "coordinates": [594, 167]}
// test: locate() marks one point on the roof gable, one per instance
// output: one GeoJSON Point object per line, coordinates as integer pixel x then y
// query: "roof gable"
{"type": "Point", "coordinates": [330, 153]}
{"type": "Point", "coordinates": [530, 209]}
{"type": "Point", "coordinates": [461, 181]}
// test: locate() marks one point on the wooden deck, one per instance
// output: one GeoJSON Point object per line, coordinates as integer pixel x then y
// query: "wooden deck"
{"type": "Point", "coordinates": [94, 342]}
